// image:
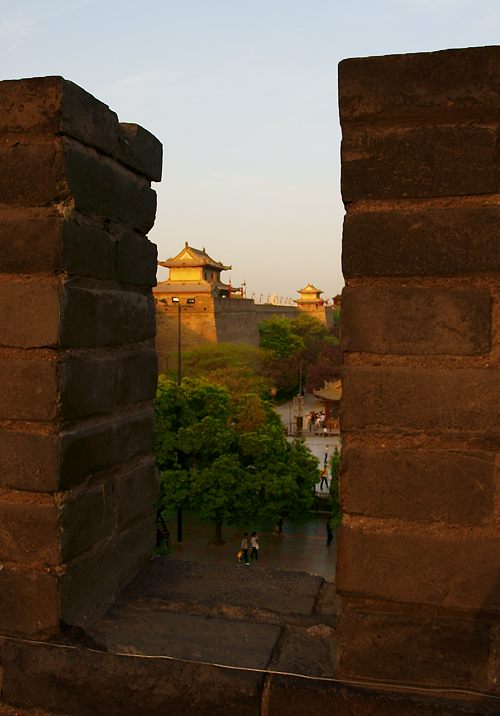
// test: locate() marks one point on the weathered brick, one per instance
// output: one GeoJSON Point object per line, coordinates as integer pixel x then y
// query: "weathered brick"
{"type": "Point", "coordinates": [423, 162]}
{"type": "Point", "coordinates": [94, 317]}
{"type": "Point", "coordinates": [88, 385]}
{"type": "Point", "coordinates": [52, 105]}
{"type": "Point", "coordinates": [85, 452]}
{"type": "Point", "coordinates": [85, 519]}
{"type": "Point", "coordinates": [90, 450]}
{"type": "Point", "coordinates": [134, 436]}
{"type": "Point", "coordinates": [101, 186]}
{"type": "Point", "coordinates": [29, 314]}
{"type": "Point", "coordinates": [29, 461]}
{"type": "Point", "coordinates": [29, 603]}
{"type": "Point", "coordinates": [43, 185]}
{"type": "Point", "coordinates": [28, 388]}
{"type": "Point", "coordinates": [416, 320]}
{"type": "Point", "coordinates": [30, 244]}
{"type": "Point", "coordinates": [87, 251]}
{"type": "Point", "coordinates": [452, 651]}
{"type": "Point", "coordinates": [140, 150]}
{"type": "Point", "coordinates": [61, 169]}
{"type": "Point", "coordinates": [419, 485]}
{"type": "Point", "coordinates": [137, 379]}
{"type": "Point", "coordinates": [42, 243]}
{"type": "Point", "coordinates": [28, 529]}
{"type": "Point", "coordinates": [451, 568]}
{"type": "Point", "coordinates": [432, 242]}
{"type": "Point", "coordinates": [136, 494]}
{"type": "Point", "coordinates": [89, 586]}
{"type": "Point", "coordinates": [136, 260]}
{"type": "Point", "coordinates": [418, 88]}
{"type": "Point", "coordinates": [413, 398]}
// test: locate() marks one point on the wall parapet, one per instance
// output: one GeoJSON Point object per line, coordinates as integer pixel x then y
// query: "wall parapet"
{"type": "Point", "coordinates": [419, 549]}
{"type": "Point", "coordinates": [77, 360]}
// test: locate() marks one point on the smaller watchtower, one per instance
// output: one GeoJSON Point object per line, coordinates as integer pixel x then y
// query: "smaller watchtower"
{"type": "Point", "coordinates": [310, 301]}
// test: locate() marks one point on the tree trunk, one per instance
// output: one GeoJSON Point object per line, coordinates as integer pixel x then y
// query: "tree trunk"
{"type": "Point", "coordinates": [218, 533]}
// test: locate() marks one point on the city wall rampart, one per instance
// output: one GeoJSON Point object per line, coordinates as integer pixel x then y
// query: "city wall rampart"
{"type": "Point", "coordinates": [210, 320]}
{"type": "Point", "coordinates": [419, 550]}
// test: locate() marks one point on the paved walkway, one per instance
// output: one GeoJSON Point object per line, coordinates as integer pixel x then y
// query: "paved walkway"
{"type": "Point", "coordinates": [300, 548]}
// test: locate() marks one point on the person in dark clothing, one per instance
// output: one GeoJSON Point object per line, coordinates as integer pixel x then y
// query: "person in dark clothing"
{"type": "Point", "coordinates": [329, 533]}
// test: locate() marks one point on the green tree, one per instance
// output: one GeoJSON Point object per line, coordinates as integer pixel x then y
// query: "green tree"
{"type": "Point", "coordinates": [228, 460]}
{"type": "Point", "coordinates": [277, 337]}
{"type": "Point", "coordinates": [239, 367]}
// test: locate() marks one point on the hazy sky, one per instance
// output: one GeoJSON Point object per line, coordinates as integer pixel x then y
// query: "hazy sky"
{"type": "Point", "coordinates": [243, 95]}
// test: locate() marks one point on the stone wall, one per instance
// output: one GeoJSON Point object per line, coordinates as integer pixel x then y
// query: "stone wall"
{"type": "Point", "coordinates": [77, 360]}
{"type": "Point", "coordinates": [419, 550]}
{"type": "Point", "coordinates": [210, 320]}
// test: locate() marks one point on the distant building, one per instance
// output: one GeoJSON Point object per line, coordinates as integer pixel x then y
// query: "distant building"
{"type": "Point", "coordinates": [212, 311]}
{"type": "Point", "coordinates": [311, 302]}
{"type": "Point", "coordinates": [331, 395]}
{"type": "Point", "coordinates": [192, 273]}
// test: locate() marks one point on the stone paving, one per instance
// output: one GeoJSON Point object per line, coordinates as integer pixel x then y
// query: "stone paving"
{"type": "Point", "coordinates": [299, 548]}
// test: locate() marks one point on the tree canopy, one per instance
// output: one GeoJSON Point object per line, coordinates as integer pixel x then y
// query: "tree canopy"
{"type": "Point", "coordinates": [239, 367]}
{"type": "Point", "coordinates": [228, 460]}
{"type": "Point", "coordinates": [302, 352]}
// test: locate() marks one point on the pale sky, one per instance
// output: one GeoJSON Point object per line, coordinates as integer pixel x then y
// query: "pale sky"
{"type": "Point", "coordinates": [243, 95]}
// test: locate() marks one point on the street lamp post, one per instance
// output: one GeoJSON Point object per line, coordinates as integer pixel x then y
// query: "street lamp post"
{"type": "Point", "coordinates": [176, 300]}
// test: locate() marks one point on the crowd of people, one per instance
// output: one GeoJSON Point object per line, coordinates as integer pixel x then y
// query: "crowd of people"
{"type": "Point", "coordinates": [316, 422]}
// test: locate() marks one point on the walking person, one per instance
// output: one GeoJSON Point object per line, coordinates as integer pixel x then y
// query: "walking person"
{"type": "Point", "coordinates": [254, 545]}
{"type": "Point", "coordinates": [244, 549]}
{"type": "Point", "coordinates": [324, 478]}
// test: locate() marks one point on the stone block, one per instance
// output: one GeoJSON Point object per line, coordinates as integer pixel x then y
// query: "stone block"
{"type": "Point", "coordinates": [413, 398]}
{"type": "Point", "coordinates": [140, 150]}
{"type": "Point", "coordinates": [98, 682]}
{"type": "Point", "coordinates": [29, 603]}
{"type": "Point", "coordinates": [85, 520]}
{"type": "Point", "coordinates": [87, 251]}
{"type": "Point", "coordinates": [29, 461]}
{"type": "Point", "coordinates": [27, 528]}
{"type": "Point", "coordinates": [40, 243]}
{"type": "Point", "coordinates": [86, 451]}
{"type": "Point", "coordinates": [136, 494]}
{"type": "Point", "coordinates": [419, 485]}
{"type": "Point", "coordinates": [44, 184]}
{"type": "Point", "coordinates": [88, 385]}
{"type": "Point", "coordinates": [452, 650]}
{"type": "Point", "coordinates": [452, 569]}
{"type": "Point", "coordinates": [90, 585]}
{"type": "Point", "coordinates": [62, 169]}
{"type": "Point", "coordinates": [105, 317]}
{"type": "Point", "coordinates": [29, 387]}
{"type": "Point", "coordinates": [101, 186]}
{"type": "Point", "coordinates": [29, 244]}
{"type": "Point", "coordinates": [134, 435]}
{"type": "Point", "coordinates": [136, 260]}
{"type": "Point", "coordinates": [432, 87]}
{"type": "Point", "coordinates": [137, 376]}
{"type": "Point", "coordinates": [52, 105]}
{"type": "Point", "coordinates": [410, 321]}
{"type": "Point", "coordinates": [29, 313]}
{"type": "Point", "coordinates": [421, 162]}
{"type": "Point", "coordinates": [432, 242]}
